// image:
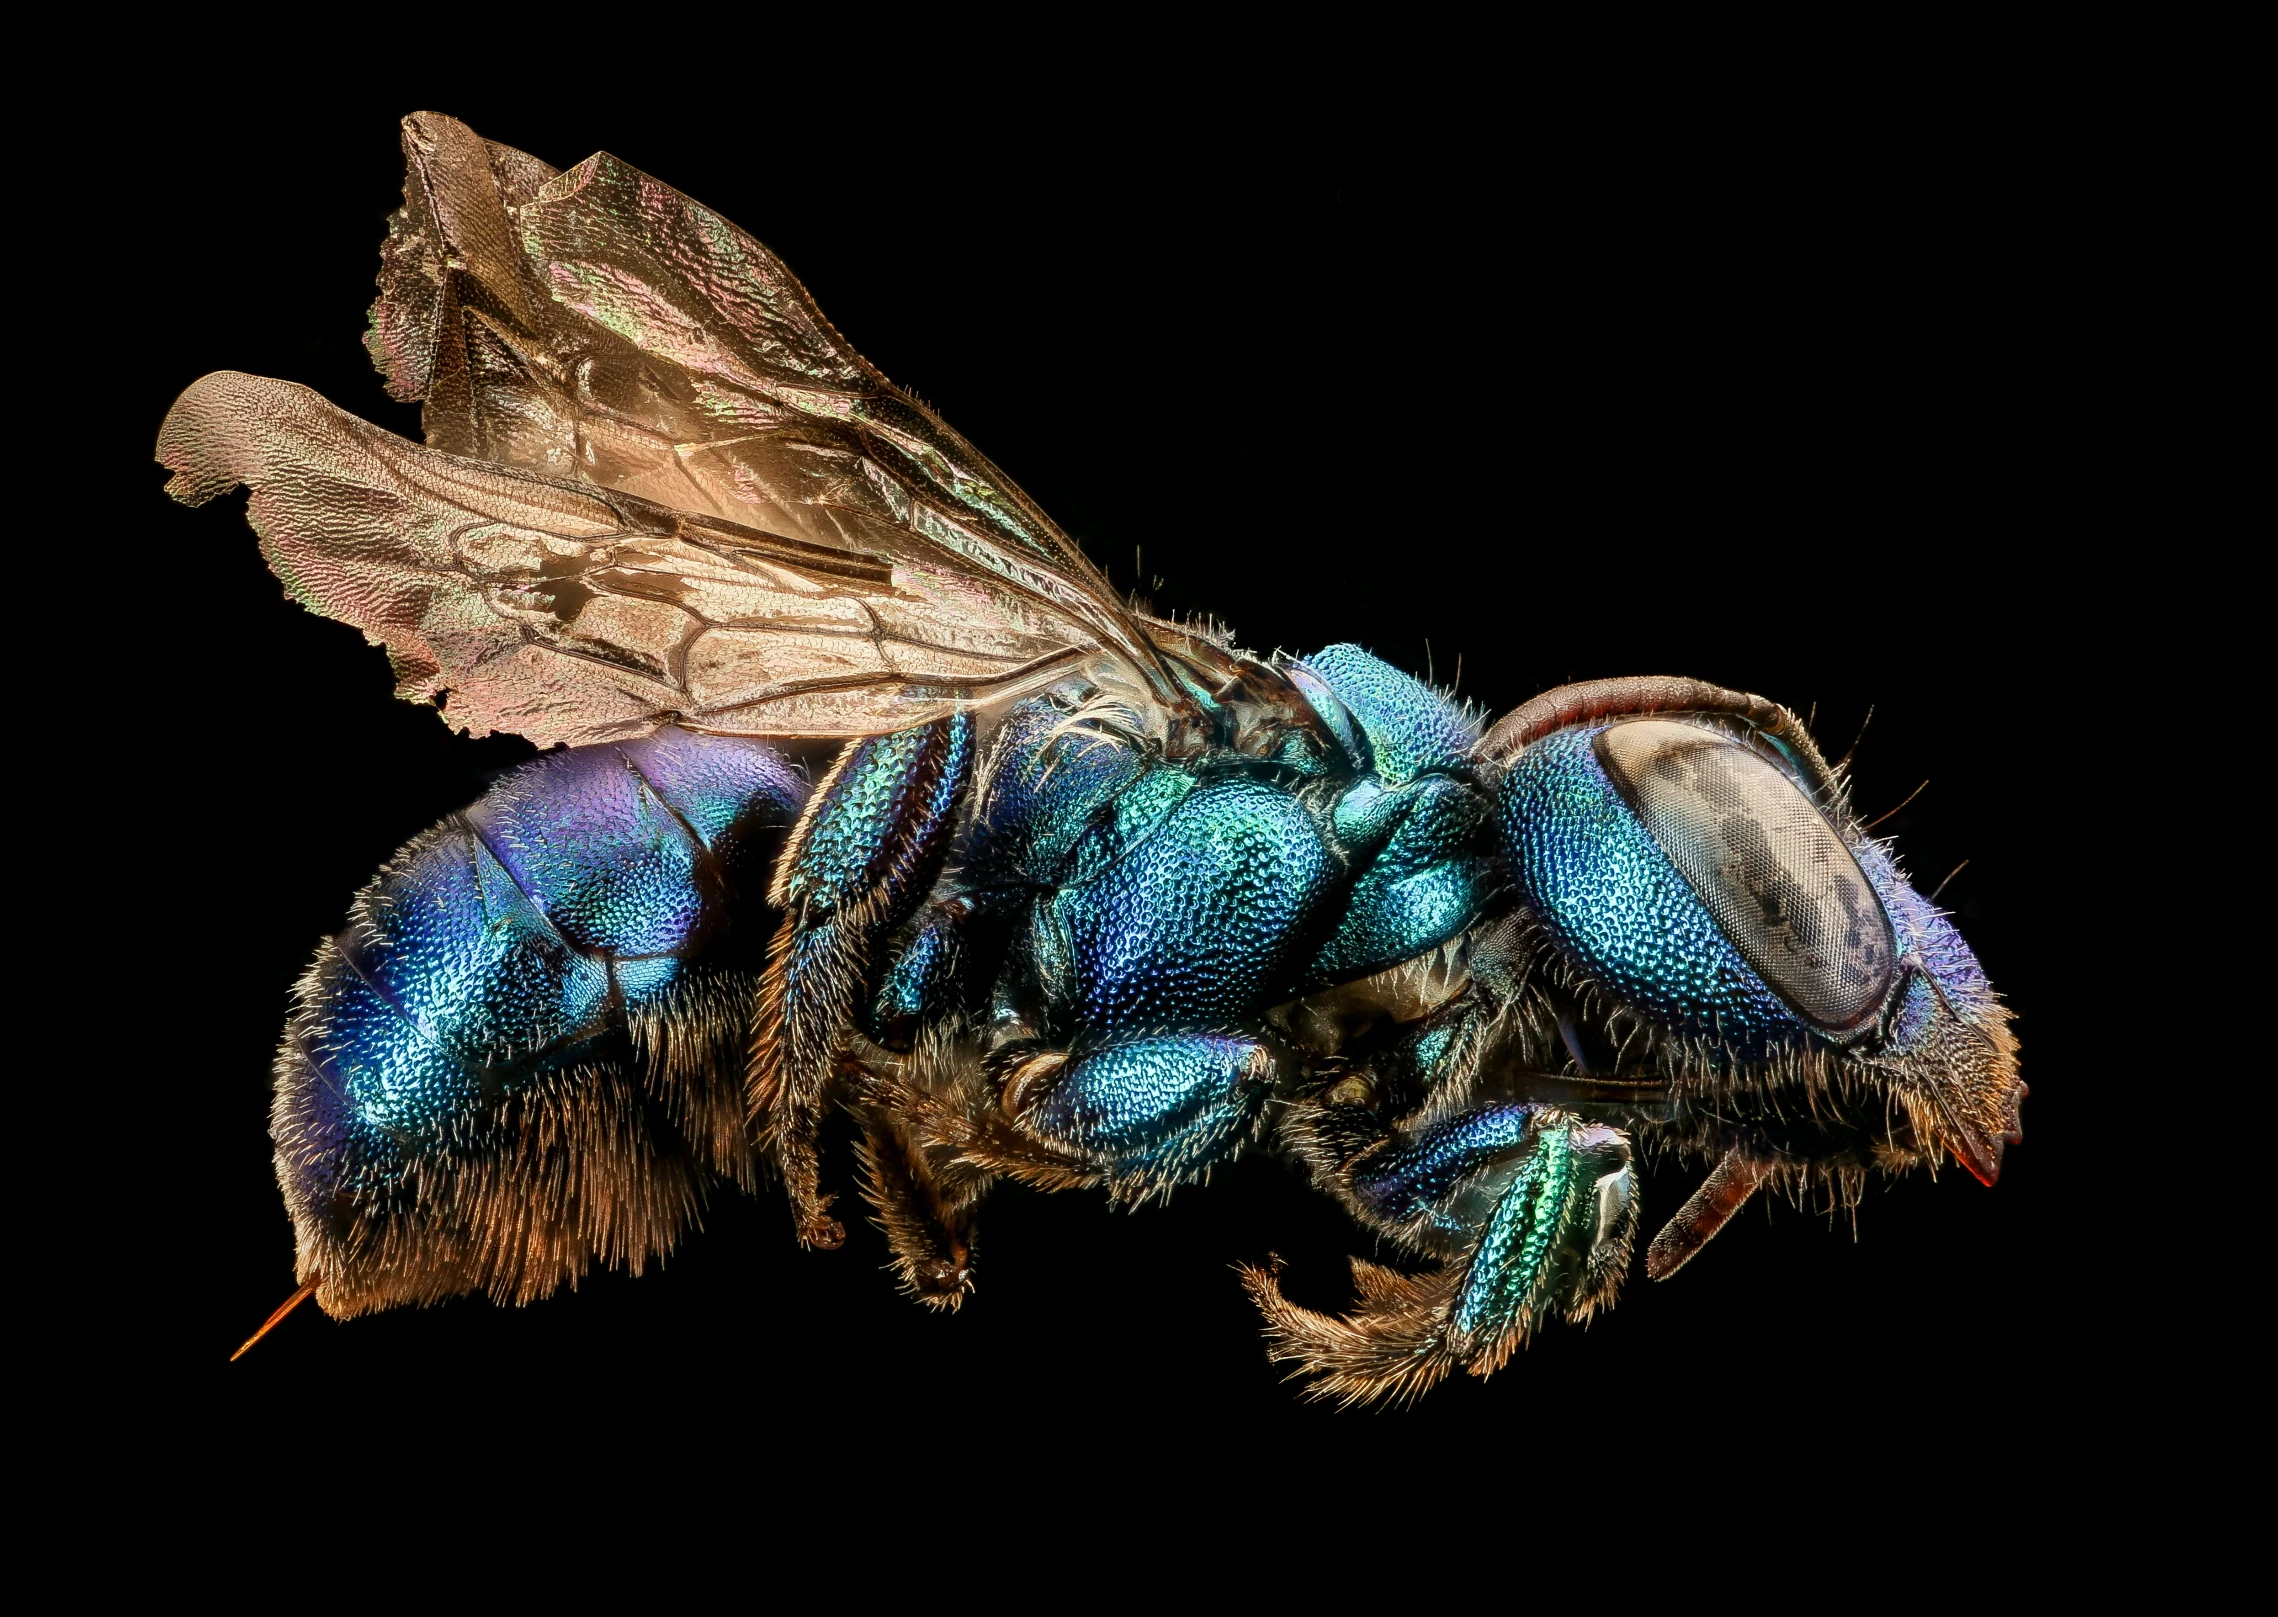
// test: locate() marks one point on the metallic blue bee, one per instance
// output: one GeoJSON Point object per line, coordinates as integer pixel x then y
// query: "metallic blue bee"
{"type": "Point", "coordinates": [1085, 898]}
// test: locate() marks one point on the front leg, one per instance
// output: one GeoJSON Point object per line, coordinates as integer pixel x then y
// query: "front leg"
{"type": "Point", "coordinates": [874, 837]}
{"type": "Point", "coordinates": [1531, 1210]}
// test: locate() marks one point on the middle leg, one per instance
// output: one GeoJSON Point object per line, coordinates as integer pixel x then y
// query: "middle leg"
{"type": "Point", "coordinates": [1138, 1114]}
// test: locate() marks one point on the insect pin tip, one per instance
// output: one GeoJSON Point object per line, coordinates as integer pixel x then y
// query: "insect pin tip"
{"type": "Point", "coordinates": [274, 1320]}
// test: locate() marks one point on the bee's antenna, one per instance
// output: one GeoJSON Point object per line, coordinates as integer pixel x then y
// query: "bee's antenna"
{"type": "Point", "coordinates": [1457, 688]}
{"type": "Point", "coordinates": [1887, 813]}
{"type": "Point", "coordinates": [274, 1320]}
{"type": "Point", "coordinates": [1430, 677]}
{"type": "Point", "coordinates": [1950, 875]}
{"type": "Point", "coordinates": [1844, 762]}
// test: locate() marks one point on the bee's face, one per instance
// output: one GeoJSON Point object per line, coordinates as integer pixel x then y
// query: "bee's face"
{"type": "Point", "coordinates": [1709, 881]}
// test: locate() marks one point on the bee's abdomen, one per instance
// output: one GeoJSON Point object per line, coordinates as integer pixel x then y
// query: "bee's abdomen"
{"type": "Point", "coordinates": [501, 956]}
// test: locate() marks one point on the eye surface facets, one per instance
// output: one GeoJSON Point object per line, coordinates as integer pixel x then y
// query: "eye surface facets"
{"type": "Point", "coordinates": [1771, 869]}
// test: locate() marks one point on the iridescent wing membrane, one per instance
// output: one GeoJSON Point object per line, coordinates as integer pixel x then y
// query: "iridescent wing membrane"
{"type": "Point", "coordinates": [658, 486]}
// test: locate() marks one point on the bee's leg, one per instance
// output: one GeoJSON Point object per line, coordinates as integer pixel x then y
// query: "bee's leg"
{"type": "Point", "coordinates": [1139, 1114]}
{"type": "Point", "coordinates": [1535, 1212]}
{"type": "Point", "coordinates": [925, 1199]}
{"type": "Point", "coordinates": [1149, 1112]}
{"type": "Point", "coordinates": [925, 1194]}
{"type": "Point", "coordinates": [874, 837]}
{"type": "Point", "coordinates": [935, 974]}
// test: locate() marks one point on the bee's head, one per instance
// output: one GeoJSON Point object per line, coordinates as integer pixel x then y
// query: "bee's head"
{"type": "Point", "coordinates": [1694, 866]}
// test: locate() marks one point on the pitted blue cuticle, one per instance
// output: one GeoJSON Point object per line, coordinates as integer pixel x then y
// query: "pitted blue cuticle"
{"type": "Point", "coordinates": [1411, 728]}
{"type": "Point", "coordinates": [1619, 909]}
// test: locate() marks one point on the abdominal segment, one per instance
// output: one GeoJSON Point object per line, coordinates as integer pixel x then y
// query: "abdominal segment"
{"type": "Point", "coordinates": [516, 1058]}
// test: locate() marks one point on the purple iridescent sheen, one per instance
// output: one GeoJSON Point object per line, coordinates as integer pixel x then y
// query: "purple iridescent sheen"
{"type": "Point", "coordinates": [513, 937]}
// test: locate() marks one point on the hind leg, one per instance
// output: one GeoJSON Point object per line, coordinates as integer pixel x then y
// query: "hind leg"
{"type": "Point", "coordinates": [875, 835]}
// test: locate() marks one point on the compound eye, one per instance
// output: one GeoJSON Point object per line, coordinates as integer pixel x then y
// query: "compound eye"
{"type": "Point", "coordinates": [1764, 861]}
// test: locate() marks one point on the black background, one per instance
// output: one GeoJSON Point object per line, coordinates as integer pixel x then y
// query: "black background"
{"type": "Point", "coordinates": [1890, 396]}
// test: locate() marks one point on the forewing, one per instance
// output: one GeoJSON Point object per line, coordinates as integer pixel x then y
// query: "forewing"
{"type": "Point", "coordinates": [597, 325]}
{"type": "Point", "coordinates": [567, 612]}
